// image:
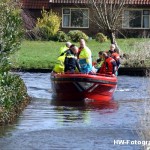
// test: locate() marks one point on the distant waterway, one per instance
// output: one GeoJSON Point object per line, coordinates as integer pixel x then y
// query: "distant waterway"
{"type": "Point", "coordinates": [48, 124]}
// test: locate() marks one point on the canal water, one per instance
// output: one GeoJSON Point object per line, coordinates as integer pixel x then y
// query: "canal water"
{"type": "Point", "coordinates": [48, 124]}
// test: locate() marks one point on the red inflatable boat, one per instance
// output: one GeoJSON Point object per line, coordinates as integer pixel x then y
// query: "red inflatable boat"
{"type": "Point", "coordinates": [83, 86]}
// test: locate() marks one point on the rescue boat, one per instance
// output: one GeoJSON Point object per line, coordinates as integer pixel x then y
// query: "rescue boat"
{"type": "Point", "coordinates": [77, 86]}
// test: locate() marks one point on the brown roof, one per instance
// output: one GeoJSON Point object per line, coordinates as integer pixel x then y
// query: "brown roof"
{"type": "Point", "coordinates": [39, 4]}
{"type": "Point", "coordinates": [35, 4]}
{"type": "Point", "coordinates": [86, 1]}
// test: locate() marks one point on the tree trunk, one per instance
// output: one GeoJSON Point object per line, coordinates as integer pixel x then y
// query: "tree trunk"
{"type": "Point", "coordinates": [113, 40]}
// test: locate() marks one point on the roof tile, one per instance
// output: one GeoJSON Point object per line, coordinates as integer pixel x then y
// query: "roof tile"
{"type": "Point", "coordinates": [39, 4]}
{"type": "Point", "coordinates": [35, 4]}
{"type": "Point", "coordinates": [117, 1]}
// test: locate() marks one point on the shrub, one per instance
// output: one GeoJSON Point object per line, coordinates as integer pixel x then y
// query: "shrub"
{"type": "Point", "coordinates": [100, 37]}
{"type": "Point", "coordinates": [12, 88]}
{"type": "Point", "coordinates": [10, 27]}
{"type": "Point", "coordinates": [138, 57]}
{"type": "Point", "coordinates": [10, 32]}
{"type": "Point", "coordinates": [48, 25]}
{"type": "Point", "coordinates": [76, 35]}
{"type": "Point", "coordinates": [13, 93]}
{"type": "Point", "coordinates": [61, 36]}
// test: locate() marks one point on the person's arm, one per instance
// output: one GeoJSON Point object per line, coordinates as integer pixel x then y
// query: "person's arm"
{"type": "Point", "coordinates": [77, 65]}
{"type": "Point", "coordinates": [114, 67]}
{"type": "Point", "coordinates": [64, 52]}
{"type": "Point", "coordinates": [118, 62]}
{"type": "Point", "coordinates": [66, 64]}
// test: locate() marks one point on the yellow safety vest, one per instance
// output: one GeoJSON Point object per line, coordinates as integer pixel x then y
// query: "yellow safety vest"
{"type": "Point", "coordinates": [59, 66]}
{"type": "Point", "coordinates": [63, 49]}
{"type": "Point", "coordinates": [86, 54]}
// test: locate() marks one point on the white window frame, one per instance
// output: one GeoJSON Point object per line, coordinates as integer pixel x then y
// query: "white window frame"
{"type": "Point", "coordinates": [70, 18]}
{"type": "Point", "coordinates": [128, 27]}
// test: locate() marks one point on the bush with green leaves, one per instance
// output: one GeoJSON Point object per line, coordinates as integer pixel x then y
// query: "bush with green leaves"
{"type": "Point", "coordinates": [12, 89]}
{"type": "Point", "coordinates": [10, 32]}
{"type": "Point", "coordinates": [13, 93]}
{"type": "Point", "coordinates": [48, 25]}
{"type": "Point", "coordinates": [76, 35]}
{"type": "Point", "coordinates": [138, 57]}
{"type": "Point", "coordinates": [61, 36]}
{"type": "Point", "coordinates": [100, 37]}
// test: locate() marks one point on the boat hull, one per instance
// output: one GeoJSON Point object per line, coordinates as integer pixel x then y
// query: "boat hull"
{"type": "Point", "coordinates": [83, 86]}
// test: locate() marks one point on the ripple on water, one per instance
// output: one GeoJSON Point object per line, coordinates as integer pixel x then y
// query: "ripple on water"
{"type": "Point", "coordinates": [106, 121]}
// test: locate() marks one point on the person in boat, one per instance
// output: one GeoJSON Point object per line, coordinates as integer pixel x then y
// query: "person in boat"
{"type": "Point", "coordinates": [64, 48]}
{"type": "Point", "coordinates": [113, 53]}
{"type": "Point", "coordinates": [109, 65]}
{"type": "Point", "coordinates": [59, 66]}
{"type": "Point", "coordinates": [71, 61]}
{"type": "Point", "coordinates": [85, 57]}
{"type": "Point", "coordinates": [97, 65]}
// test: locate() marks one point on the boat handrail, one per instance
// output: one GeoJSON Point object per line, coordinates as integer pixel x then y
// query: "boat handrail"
{"type": "Point", "coordinates": [98, 74]}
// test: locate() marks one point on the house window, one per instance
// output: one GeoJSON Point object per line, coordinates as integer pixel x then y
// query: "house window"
{"type": "Point", "coordinates": [146, 18]}
{"type": "Point", "coordinates": [75, 18]}
{"type": "Point", "coordinates": [136, 19]}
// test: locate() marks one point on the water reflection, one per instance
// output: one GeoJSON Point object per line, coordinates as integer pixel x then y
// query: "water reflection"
{"type": "Point", "coordinates": [73, 111]}
{"type": "Point", "coordinates": [43, 114]}
{"type": "Point", "coordinates": [87, 104]}
{"type": "Point", "coordinates": [6, 130]}
{"type": "Point", "coordinates": [92, 124]}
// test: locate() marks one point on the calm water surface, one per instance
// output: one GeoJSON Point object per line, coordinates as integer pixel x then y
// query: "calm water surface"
{"type": "Point", "coordinates": [48, 124]}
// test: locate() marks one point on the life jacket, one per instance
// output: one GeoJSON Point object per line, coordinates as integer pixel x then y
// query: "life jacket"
{"type": "Point", "coordinates": [85, 60]}
{"type": "Point", "coordinates": [70, 62]}
{"type": "Point", "coordinates": [116, 57]}
{"type": "Point", "coordinates": [99, 63]}
{"type": "Point", "coordinates": [59, 66]}
{"type": "Point", "coordinates": [63, 49]}
{"type": "Point", "coordinates": [107, 66]}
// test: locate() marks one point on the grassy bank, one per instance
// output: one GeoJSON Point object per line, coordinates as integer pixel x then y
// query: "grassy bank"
{"type": "Point", "coordinates": [43, 54]}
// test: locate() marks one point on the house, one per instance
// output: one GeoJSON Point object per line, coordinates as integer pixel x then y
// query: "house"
{"type": "Point", "coordinates": [73, 18]}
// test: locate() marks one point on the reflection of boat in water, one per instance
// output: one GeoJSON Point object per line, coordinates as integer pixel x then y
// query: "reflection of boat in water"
{"type": "Point", "coordinates": [79, 111]}
{"type": "Point", "coordinates": [103, 106]}
{"type": "Point", "coordinates": [81, 86]}
{"type": "Point", "coordinates": [86, 105]}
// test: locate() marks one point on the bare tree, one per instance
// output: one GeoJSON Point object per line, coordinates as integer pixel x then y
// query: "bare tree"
{"type": "Point", "coordinates": [107, 14]}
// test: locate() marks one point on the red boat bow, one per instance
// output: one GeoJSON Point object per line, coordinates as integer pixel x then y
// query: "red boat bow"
{"type": "Point", "coordinates": [82, 86]}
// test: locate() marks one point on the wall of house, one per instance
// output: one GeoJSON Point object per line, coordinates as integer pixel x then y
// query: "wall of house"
{"type": "Point", "coordinates": [35, 13]}
{"type": "Point", "coordinates": [92, 30]}
{"type": "Point", "coordinates": [134, 33]}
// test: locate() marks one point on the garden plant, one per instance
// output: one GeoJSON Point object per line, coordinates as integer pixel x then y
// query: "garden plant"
{"type": "Point", "coordinates": [13, 93]}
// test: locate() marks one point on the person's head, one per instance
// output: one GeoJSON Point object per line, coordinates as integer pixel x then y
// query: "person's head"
{"type": "Point", "coordinates": [112, 47]}
{"type": "Point", "coordinates": [100, 54]}
{"type": "Point", "coordinates": [68, 44]}
{"type": "Point", "coordinates": [74, 49]}
{"type": "Point", "coordinates": [82, 43]}
{"type": "Point", "coordinates": [105, 55]}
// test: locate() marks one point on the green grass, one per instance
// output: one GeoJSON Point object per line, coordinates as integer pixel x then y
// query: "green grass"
{"type": "Point", "coordinates": [43, 54]}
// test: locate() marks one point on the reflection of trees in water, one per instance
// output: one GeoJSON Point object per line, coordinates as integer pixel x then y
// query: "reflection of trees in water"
{"type": "Point", "coordinates": [71, 114]}
{"type": "Point", "coordinates": [70, 111]}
